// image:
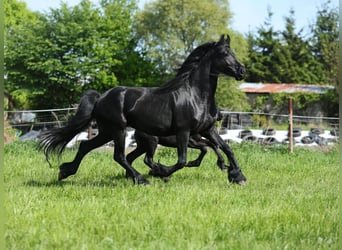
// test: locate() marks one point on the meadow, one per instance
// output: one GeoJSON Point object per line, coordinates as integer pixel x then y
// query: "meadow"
{"type": "Point", "coordinates": [289, 202]}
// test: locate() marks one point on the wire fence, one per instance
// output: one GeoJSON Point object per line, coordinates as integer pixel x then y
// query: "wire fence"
{"type": "Point", "coordinates": [233, 126]}
{"type": "Point", "coordinates": [38, 119]}
{"type": "Point", "coordinates": [240, 120]}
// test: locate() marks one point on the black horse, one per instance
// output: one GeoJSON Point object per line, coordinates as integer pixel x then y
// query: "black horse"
{"type": "Point", "coordinates": [147, 144]}
{"type": "Point", "coordinates": [182, 107]}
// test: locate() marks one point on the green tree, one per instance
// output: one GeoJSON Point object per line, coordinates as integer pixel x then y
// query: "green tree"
{"type": "Point", "coordinates": [325, 41]}
{"type": "Point", "coordinates": [282, 56]}
{"type": "Point", "coordinates": [265, 57]}
{"type": "Point", "coordinates": [230, 97]}
{"type": "Point", "coordinates": [53, 58]}
{"type": "Point", "coordinates": [170, 29]}
{"type": "Point", "coordinates": [18, 19]}
{"type": "Point", "coordinates": [300, 65]}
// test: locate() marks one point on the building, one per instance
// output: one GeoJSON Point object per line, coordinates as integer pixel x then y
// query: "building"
{"type": "Point", "coordinates": [266, 90]}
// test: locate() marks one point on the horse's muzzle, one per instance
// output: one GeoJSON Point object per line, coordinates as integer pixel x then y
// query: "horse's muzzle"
{"type": "Point", "coordinates": [240, 73]}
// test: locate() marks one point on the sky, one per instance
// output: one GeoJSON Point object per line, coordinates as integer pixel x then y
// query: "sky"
{"type": "Point", "coordinates": [248, 14]}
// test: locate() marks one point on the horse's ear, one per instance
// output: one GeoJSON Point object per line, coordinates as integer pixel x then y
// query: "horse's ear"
{"type": "Point", "coordinates": [221, 39]}
{"type": "Point", "coordinates": [228, 39]}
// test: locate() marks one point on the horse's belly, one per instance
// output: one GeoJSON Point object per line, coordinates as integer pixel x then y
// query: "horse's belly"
{"type": "Point", "coordinates": [151, 123]}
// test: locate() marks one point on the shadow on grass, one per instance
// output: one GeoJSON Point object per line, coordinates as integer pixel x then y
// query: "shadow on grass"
{"type": "Point", "coordinates": [105, 181]}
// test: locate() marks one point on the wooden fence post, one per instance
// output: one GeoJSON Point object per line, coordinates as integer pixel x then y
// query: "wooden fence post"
{"type": "Point", "coordinates": [90, 132]}
{"type": "Point", "coordinates": [290, 133]}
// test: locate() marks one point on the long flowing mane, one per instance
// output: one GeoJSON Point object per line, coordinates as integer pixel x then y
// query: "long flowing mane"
{"type": "Point", "coordinates": [194, 59]}
{"type": "Point", "coordinates": [190, 64]}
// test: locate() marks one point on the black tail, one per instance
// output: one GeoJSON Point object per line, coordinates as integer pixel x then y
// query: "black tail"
{"type": "Point", "coordinates": [55, 140]}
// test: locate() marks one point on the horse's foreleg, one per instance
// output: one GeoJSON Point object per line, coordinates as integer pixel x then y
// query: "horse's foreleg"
{"type": "Point", "coordinates": [70, 168]}
{"type": "Point", "coordinates": [119, 157]}
{"type": "Point", "coordinates": [132, 156]}
{"type": "Point", "coordinates": [234, 172]}
{"type": "Point", "coordinates": [220, 159]}
{"type": "Point", "coordinates": [182, 146]}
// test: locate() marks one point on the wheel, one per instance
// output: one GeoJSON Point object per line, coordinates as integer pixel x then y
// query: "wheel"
{"type": "Point", "coordinates": [269, 141]}
{"type": "Point", "coordinates": [334, 132]}
{"type": "Point", "coordinates": [269, 131]}
{"type": "Point", "coordinates": [250, 138]}
{"type": "Point", "coordinates": [244, 133]}
{"type": "Point", "coordinates": [296, 132]}
{"type": "Point", "coordinates": [307, 140]}
{"type": "Point", "coordinates": [317, 131]}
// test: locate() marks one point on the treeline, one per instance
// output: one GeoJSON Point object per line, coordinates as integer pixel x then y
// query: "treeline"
{"type": "Point", "coordinates": [52, 57]}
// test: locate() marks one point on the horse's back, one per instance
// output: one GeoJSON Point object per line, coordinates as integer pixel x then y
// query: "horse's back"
{"type": "Point", "coordinates": [136, 107]}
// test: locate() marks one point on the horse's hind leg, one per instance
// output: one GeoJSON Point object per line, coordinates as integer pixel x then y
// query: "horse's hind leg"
{"type": "Point", "coordinates": [70, 168]}
{"type": "Point", "coordinates": [146, 144]}
{"type": "Point", "coordinates": [197, 162]}
{"type": "Point", "coordinates": [182, 145]}
{"type": "Point", "coordinates": [198, 143]}
{"type": "Point", "coordinates": [119, 156]}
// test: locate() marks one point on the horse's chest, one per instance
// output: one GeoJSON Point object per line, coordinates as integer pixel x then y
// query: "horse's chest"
{"type": "Point", "coordinates": [205, 122]}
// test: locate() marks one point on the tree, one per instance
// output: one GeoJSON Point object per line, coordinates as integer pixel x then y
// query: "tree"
{"type": "Point", "coordinates": [287, 57]}
{"type": "Point", "coordinates": [325, 41]}
{"type": "Point", "coordinates": [230, 97]}
{"type": "Point", "coordinates": [300, 64]}
{"type": "Point", "coordinates": [265, 59]}
{"type": "Point", "coordinates": [58, 55]}
{"type": "Point", "coordinates": [170, 29]}
{"type": "Point", "coordinates": [18, 18]}
{"type": "Point", "coordinates": [282, 56]}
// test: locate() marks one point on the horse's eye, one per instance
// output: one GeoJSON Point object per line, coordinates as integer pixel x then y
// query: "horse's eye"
{"type": "Point", "coordinates": [226, 53]}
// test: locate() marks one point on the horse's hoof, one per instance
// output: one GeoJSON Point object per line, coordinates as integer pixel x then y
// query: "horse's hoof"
{"type": "Point", "coordinates": [128, 175]}
{"type": "Point", "coordinates": [242, 183]}
{"type": "Point", "coordinates": [224, 167]}
{"type": "Point", "coordinates": [153, 173]}
{"type": "Point", "coordinates": [61, 176]}
{"type": "Point", "coordinates": [140, 180]}
{"type": "Point", "coordinates": [165, 179]}
{"type": "Point", "coordinates": [192, 164]}
{"type": "Point", "coordinates": [157, 172]}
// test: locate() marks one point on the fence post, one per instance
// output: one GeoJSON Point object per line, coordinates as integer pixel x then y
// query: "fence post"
{"type": "Point", "coordinates": [290, 133]}
{"type": "Point", "coordinates": [90, 132]}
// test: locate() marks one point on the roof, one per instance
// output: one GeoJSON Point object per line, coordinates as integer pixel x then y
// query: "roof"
{"type": "Point", "coordinates": [283, 88]}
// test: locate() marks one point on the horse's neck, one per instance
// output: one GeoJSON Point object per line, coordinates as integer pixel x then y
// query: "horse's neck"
{"type": "Point", "coordinates": [213, 83]}
{"type": "Point", "coordinates": [205, 83]}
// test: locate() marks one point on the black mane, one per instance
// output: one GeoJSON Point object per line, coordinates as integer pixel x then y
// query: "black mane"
{"type": "Point", "coordinates": [189, 65]}
{"type": "Point", "coordinates": [193, 60]}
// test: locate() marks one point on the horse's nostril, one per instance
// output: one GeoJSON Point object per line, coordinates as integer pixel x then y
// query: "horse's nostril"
{"type": "Point", "coordinates": [242, 71]}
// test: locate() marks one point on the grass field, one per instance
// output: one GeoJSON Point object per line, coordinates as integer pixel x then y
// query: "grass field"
{"type": "Point", "coordinates": [290, 202]}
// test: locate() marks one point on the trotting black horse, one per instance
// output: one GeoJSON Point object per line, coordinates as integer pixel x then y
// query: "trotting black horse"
{"type": "Point", "coordinates": [147, 144]}
{"type": "Point", "coordinates": [183, 106]}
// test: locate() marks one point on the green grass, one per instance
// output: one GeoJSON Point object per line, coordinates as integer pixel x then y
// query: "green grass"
{"type": "Point", "coordinates": [290, 202]}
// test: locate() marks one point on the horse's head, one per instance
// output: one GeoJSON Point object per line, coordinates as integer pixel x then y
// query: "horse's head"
{"type": "Point", "coordinates": [224, 60]}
